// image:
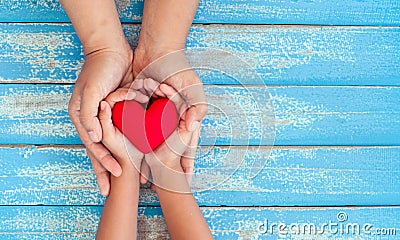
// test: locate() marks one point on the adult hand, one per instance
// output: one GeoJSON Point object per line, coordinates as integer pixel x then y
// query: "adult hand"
{"type": "Point", "coordinates": [102, 73]}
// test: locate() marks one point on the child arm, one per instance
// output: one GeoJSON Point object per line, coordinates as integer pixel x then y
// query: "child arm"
{"type": "Point", "coordinates": [182, 214]}
{"type": "Point", "coordinates": [119, 216]}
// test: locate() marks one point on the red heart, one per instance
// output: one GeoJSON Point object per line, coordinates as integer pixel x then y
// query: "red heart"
{"type": "Point", "coordinates": [146, 129]}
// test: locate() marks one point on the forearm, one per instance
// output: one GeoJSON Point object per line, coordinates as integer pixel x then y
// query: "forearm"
{"type": "Point", "coordinates": [165, 25]}
{"type": "Point", "coordinates": [119, 217]}
{"type": "Point", "coordinates": [97, 25]}
{"type": "Point", "coordinates": [182, 214]}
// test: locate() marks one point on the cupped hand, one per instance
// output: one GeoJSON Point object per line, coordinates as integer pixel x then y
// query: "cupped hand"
{"type": "Point", "coordinates": [124, 151]}
{"type": "Point", "coordinates": [155, 90]}
{"type": "Point", "coordinates": [167, 161]}
{"type": "Point", "coordinates": [102, 73]}
{"type": "Point", "coordinates": [190, 88]}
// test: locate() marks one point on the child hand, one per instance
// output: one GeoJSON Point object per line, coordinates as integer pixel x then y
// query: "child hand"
{"type": "Point", "coordinates": [155, 89]}
{"type": "Point", "coordinates": [166, 161]}
{"type": "Point", "coordinates": [121, 148]}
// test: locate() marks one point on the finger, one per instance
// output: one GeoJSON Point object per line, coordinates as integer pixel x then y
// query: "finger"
{"type": "Point", "coordinates": [138, 86]}
{"type": "Point", "coordinates": [195, 97]}
{"type": "Point", "coordinates": [189, 171]}
{"type": "Point", "coordinates": [144, 172]}
{"type": "Point", "coordinates": [175, 97]}
{"type": "Point", "coordinates": [126, 94]}
{"type": "Point", "coordinates": [100, 152]}
{"type": "Point", "coordinates": [74, 112]}
{"type": "Point", "coordinates": [192, 117]}
{"type": "Point", "coordinates": [119, 95]}
{"type": "Point", "coordinates": [91, 98]}
{"type": "Point", "coordinates": [159, 93]}
{"type": "Point", "coordinates": [140, 97]}
{"type": "Point", "coordinates": [105, 158]}
{"type": "Point", "coordinates": [134, 94]}
{"type": "Point", "coordinates": [74, 104]}
{"type": "Point", "coordinates": [102, 175]}
{"type": "Point", "coordinates": [150, 85]}
{"type": "Point", "coordinates": [188, 157]}
{"type": "Point", "coordinates": [178, 142]}
{"type": "Point", "coordinates": [105, 120]}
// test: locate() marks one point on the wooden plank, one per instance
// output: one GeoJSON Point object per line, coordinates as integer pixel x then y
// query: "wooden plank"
{"type": "Point", "coordinates": [37, 114]}
{"type": "Point", "coordinates": [33, 222]}
{"type": "Point", "coordinates": [281, 55]}
{"type": "Point", "coordinates": [334, 12]}
{"type": "Point", "coordinates": [291, 176]}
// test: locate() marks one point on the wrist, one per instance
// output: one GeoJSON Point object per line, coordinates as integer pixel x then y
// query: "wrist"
{"type": "Point", "coordinates": [164, 164]}
{"type": "Point", "coordinates": [155, 45]}
{"type": "Point", "coordinates": [116, 61]}
{"type": "Point", "coordinates": [147, 52]}
{"type": "Point", "coordinates": [162, 169]}
{"type": "Point", "coordinates": [117, 45]}
{"type": "Point", "coordinates": [170, 179]}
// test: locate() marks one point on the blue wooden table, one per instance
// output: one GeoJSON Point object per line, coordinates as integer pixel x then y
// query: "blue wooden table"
{"type": "Point", "coordinates": [330, 74]}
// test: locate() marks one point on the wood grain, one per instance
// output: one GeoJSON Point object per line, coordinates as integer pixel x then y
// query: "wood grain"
{"type": "Point", "coordinates": [281, 55]}
{"type": "Point", "coordinates": [34, 222]}
{"type": "Point", "coordinates": [37, 114]}
{"type": "Point", "coordinates": [325, 12]}
{"type": "Point", "coordinates": [287, 176]}
{"type": "Point", "coordinates": [332, 110]}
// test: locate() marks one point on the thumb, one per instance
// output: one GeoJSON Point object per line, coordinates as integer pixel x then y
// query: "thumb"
{"type": "Point", "coordinates": [105, 120]}
{"type": "Point", "coordinates": [194, 115]}
{"type": "Point", "coordinates": [178, 141]}
{"type": "Point", "coordinates": [195, 96]}
{"type": "Point", "coordinates": [88, 113]}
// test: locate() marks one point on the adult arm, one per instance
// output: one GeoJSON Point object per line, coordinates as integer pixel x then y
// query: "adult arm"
{"type": "Point", "coordinates": [108, 64]}
{"type": "Point", "coordinates": [165, 27]}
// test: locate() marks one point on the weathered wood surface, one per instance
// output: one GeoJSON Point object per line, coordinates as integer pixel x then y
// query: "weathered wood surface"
{"type": "Point", "coordinates": [40, 222]}
{"type": "Point", "coordinates": [291, 176]}
{"type": "Point", "coordinates": [326, 12]}
{"type": "Point", "coordinates": [281, 55]}
{"type": "Point", "coordinates": [338, 145]}
{"type": "Point", "coordinates": [37, 114]}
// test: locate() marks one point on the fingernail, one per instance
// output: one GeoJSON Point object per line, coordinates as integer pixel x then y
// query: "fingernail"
{"type": "Point", "coordinates": [92, 136]}
{"type": "Point", "coordinates": [117, 172]}
{"type": "Point", "coordinates": [102, 106]}
{"type": "Point", "coordinates": [194, 126]}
